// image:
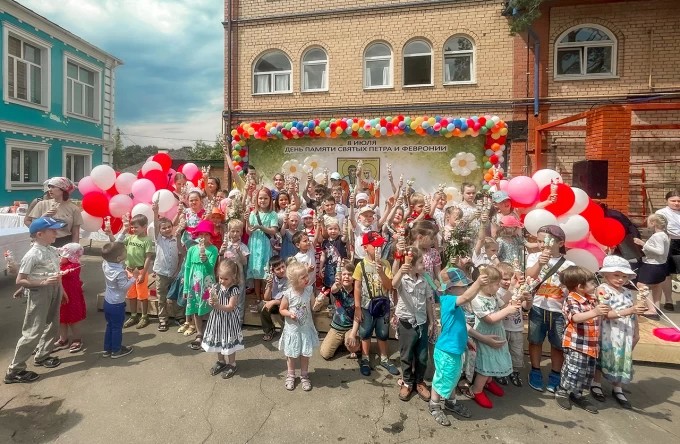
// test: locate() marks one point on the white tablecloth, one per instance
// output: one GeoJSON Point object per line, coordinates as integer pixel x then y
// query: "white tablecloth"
{"type": "Point", "coordinates": [16, 240]}
{"type": "Point", "coordinates": [11, 220]}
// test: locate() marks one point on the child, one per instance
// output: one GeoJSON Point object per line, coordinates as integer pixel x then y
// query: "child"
{"type": "Point", "coordinates": [261, 225]}
{"type": "Point", "coordinates": [653, 271]}
{"type": "Point", "coordinates": [344, 328]}
{"type": "Point", "coordinates": [334, 250]}
{"type": "Point", "coordinates": [619, 331]}
{"type": "Point", "coordinates": [340, 207]}
{"type": "Point", "coordinates": [510, 241]}
{"type": "Point", "coordinates": [299, 336]}
{"type": "Point", "coordinates": [490, 362]}
{"type": "Point", "coordinates": [305, 255]}
{"type": "Point", "coordinates": [329, 211]}
{"type": "Point", "coordinates": [312, 226]}
{"type": "Point", "coordinates": [502, 208]}
{"type": "Point", "coordinates": [217, 218]}
{"type": "Point", "coordinates": [199, 276]}
{"type": "Point", "coordinates": [165, 266]}
{"type": "Point", "coordinates": [223, 333]}
{"type": "Point", "coordinates": [395, 224]}
{"type": "Point", "coordinates": [581, 338]}
{"type": "Point", "coordinates": [235, 250]}
{"type": "Point", "coordinates": [486, 248]}
{"type": "Point", "coordinates": [365, 223]}
{"type": "Point", "coordinates": [453, 218]}
{"type": "Point", "coordinates": [415, 316]}
{"type": "Point", "coordinates": [189, 217]}
{"type": "Point", "coordinates": [277, 283]}
{"type": "Point", "coordinates": [118, 282]}
{"type": "Point", "coordinates": [39, 274]}
{"type": "Point", "coordinates": [438, 212]}
{"type": "Point", "coordinates": [513, 324]}
{"type": "Point", "coordinates": [422, 235]}
{"type": "Point", "coordinates": [290, 226]}
{"type": "Point", "coordinates": [73, 309]}
{"type": "Point", "coordinates": [372, 284]}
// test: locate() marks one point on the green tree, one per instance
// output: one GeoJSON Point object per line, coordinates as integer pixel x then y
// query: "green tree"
{"type": "Point", "coordinates": [207, 151]}
{"type": "Point", "coordinates": [132, 155]}
{"type": "Point", "coordinates": [522, 14]}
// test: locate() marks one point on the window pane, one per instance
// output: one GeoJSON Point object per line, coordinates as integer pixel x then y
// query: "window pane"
{"type": "Point", "coordinates": [36, 84]}
{"type": "Point", "coordinates": [31, 166]}
{"type": "Point", "coordinates": [69, 96]}
{"type": "Point", "coordinates": [569, 61]}
{"type": "Point", "coordinates": [262, 83]}
{"type": "Point", "coordinates": [417, 47]}
{"type": "Point", "coordinates": [10, 76]}
{"type": "Point", "coordinates": [78, 168]}
{"type": "Point", "coordinates": [458, 44]}
{"type": "Point", "coordinates": [14, 46]}
{"type": "Point", "coordinates": [31, 53]}
{"type": "Point", "coordinates": [457, 69]}
{"type": "Point", "coordinates": [599, 60]}
{"type": "Point", "coordinates": [21, 81]}
{"type": "Point", "coordinates": [15, 169]}
{"type": "Point", "coordinates": [378, 50]}
{"type": "Point", "coordinates": [378, 72]}
{"type": "Point", "coordinates": [418, 70]}
{"type": "Point", "coordinates": [68, 167]}
{"type": "Point", "coordinates": [72, 70]}
{"type": "Point", "coordinates": [89, 101]}
{"type": "Point", "coordinates": [314, 76]}
{"type": "Point", "coordinates": [275, 61]}
{"type": "Point", "coordinates": [78, 98]}
{"type": "Point", "coordinates": [282, 82]}
{"type": "Point", "coordinates": [585, 35]}
{"type": "Point", "coordinates": [86, 76]}
{"type": "Point", "coordinates": [315, 55]}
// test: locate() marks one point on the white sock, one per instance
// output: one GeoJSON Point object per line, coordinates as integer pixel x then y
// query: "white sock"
{"type": "Point", "coordinates": [596, 384]}
{"type": "Point", "coordinates": [618, 390]}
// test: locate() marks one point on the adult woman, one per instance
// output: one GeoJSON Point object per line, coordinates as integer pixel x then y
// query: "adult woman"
{"type": "Point", "coordinates": [58, 206]}
{"type": "Point", "coordinates": [212, 186]}
{"type": "Point", "coordinates": [672, 214]}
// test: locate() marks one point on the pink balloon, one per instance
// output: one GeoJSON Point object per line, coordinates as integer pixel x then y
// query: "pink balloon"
{"type": "Point", "coordinates": [171, 176]}
{"type": "Point", "coordinates": [124, 182]}
{"type": "Point", "coordinates": [120, 204]}
{"type": "Point", "coordinates": [142, 191]}
{"type": "Point", "coordinates": [523, 190]}
{"type": "Point", "coordinates": [151, 165]}
{"type": "Point", "coordinates": [171, 213]}
{"type": "Point", "coordinates": [190, 170]}
{"type": "Point", "coordinates": [87, 185]}
{"type": "Point", "coordinates": [504, 185]}
{"type": "Point", "coordinates": [578, 244]}
{"type": "Point", "coordinates": [595, 251]}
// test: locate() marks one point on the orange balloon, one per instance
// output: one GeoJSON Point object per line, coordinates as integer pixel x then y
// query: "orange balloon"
{"type": "Point", "coordinates": [488, 177]}
{"type": "Point", "coordinates": [495, 147]}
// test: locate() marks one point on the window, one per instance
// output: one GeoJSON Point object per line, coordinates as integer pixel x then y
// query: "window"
{"type": "Point", "coordinates": [459, 60]}
{"type": "Point", "coordinates": [378, 66]}
{"type": "Point", "coordinates": [26, 164]}
{"type": "Point", "coordinates": [585, 52]}
{"type": "Point", "coordinates": [417, 63]}
{"type": "Point", "coordinates": [77, 163]}
{"type": "Point", "coordinates": [272, 74]}
{"type": "Point", "coordinates": [315, 70]}
{"type": "Point", "coordinates": [82, 88]}
{"type": "Point", "coordinates": [27, 70]}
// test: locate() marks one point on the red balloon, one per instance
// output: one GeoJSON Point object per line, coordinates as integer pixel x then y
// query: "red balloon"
{"type": "Point", "coordinates": [116, 225]}
{"type": "Point", "coordinates": [140, 175]}
{"type": "Point", "coordinates": [565, 199]}
{"type": "Point", "coordinates": [112, 191]}
{"type": "Point", "coordinates": [593, 212]}
{"type": "Point", "coordinates": [493, 159]}
{"type": "Point", "coordinates": [159, 179]}
{"type": "Point", "coordinates": [608, 232]}
{"type": "Point", "coordinates": [96, 203]}
{"type": "Point", "coordinates": [164, 160]}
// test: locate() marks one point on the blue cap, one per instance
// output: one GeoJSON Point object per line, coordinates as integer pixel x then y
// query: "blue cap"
{"type": "Point", "coordinates": [45, 223]}
{"type": "Point", "coordinates": [500, 196]}
{"type": "Point", "coordinates": [453, 277]}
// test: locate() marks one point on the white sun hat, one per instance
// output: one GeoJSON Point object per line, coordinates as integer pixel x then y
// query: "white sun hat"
{"type": "Point", "coordinates": [612, 264]}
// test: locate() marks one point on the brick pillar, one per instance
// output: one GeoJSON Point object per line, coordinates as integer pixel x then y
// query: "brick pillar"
{"type": "Point", "coordinates": [608, 138]}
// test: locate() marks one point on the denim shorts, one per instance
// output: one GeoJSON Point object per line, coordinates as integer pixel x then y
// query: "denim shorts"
{"type": "Point", "coordinates": [381, 326]}
{"type": "Point", "coordinates": [543, 322]}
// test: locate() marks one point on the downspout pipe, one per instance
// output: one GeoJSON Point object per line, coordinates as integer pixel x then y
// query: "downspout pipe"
{"type": "Point", "coordinates": [537, 53]}
{"type": "Point", "coordinates": [227, 131]}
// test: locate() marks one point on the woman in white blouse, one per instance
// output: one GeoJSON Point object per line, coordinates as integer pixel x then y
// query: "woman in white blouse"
{"type": "Point", "coordinates": [672, 214]}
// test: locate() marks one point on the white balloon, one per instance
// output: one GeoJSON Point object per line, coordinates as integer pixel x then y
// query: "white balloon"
{"type": "Point", "coordinates": [151, 165]}
{"type": "Point", "coordinates": [575, 227]}
{"type": "Point", "coordinates": [103, 176]}
{"type": "Point", "coordinates": [543, 177]}
{"type": "Point", "coordinates": [145, 209]}
{"type": "Point", "coordinates": [120, 204]}
{"type": "Point", "coordinates": [151, 231]}
{"type": "Point", "coordinates": [583, 258]}
{"type": "Point", "coordinates": [124, 182]}
{"type": "Point", "coordinates": [166, 200]}
{"type": "Point", "coordinates": [581, 202]}
{"type": "Point", "coordinates": [91, 223]}
{"type": "Point", "coordinates": [535, 219]}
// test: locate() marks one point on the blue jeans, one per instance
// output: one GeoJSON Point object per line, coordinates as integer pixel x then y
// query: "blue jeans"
{"type": "Point", "coordinates": [380, 325]}
{"type": "Point", "coordinates": [115, 316]}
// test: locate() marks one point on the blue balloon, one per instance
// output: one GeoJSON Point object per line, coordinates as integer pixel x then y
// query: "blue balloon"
{"type": "Point", "coordinates": [450, 127]}
{"type": "Point", "coordinates": [463, 126]}
{"type": "Point", "coordinates": [305, 130]}
{"type": "Point", "coordinates": [310, 125]}
{"type": "Point", "coordinates": [383, 131]}
{"type": "Point", "coordinates": [328, 130]}
{"type": "Point", "coordinates": [425, 124]}
{"type": "Point", "coordinates": [457, 123]}
{"type": "Point", "coordinates": [437, 118]}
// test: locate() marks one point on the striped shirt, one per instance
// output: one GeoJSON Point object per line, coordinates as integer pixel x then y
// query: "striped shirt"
{"type": "Point", "coordinates": [584, 337]}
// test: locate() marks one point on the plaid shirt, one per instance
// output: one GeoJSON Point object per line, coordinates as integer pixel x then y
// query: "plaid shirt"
{"type": "Point", "coordinates": [584, 337]}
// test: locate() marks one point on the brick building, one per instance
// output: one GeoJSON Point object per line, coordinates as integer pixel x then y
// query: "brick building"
{"type": "Point", "coordinates": [289, 60]}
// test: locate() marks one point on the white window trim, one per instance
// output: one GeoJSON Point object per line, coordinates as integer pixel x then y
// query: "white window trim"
{"type": "Point", "coordinates": [613, 43]}
{"type": "Point", "coordinates": [272, 75]}
{"type": "Point", "coordinates": [473, 67]}
{"type": "Point", "coordinates": [315, 62]}
{"type": "Point", "coordinates": [99, 73]}
{"type": "Point", "coordinates": [431, 54]}
{"type": "Point", "coordinates": [66, 150]}
{"type": "Point", "coordinates": [391, 66]}
{"type": "Point", "coordinates": [25, 145]}
{"type": "Point", "coordinates": [8, 29]}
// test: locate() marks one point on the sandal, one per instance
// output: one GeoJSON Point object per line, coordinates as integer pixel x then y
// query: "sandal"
{"type": "Point", "coordinates": [229, 372]}
{"type": "Point", "coordinates": [439, 415]}
{"type": "Point", "coordinates": [162, 326]}
{"type": "Point", "coordinates": [196, 343]}
{"type": "Point", "coordinates": [190, 331]}
{"type": "Point", "coordinates": [218, 368]}
{"type": "Point", "coordinates": [306, 383]}
{"type": "Point", "coordinates": [597, 394]}
{"type": "Point", "coordinates": [268, 336]}
{"type": "Point", "coordinates": [622, 400]}
{"type": "Point", "coordinates": [60, 344]}
{"type": "Point", "coordinates": [48, 362]}
{"type": "Point", "coordinates": [21, 377]}
{"type": "Point", "coordinates": [290, 382]}
{"type": "Point", "coordinates": [184, 327]}
{"type": "Point", "coordinates": [465, 390]}
{"type": "Point", "coordinates": [76, 346]}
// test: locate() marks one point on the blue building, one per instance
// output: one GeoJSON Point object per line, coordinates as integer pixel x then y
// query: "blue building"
{"type": "Point", "coordinates": [57, 109]}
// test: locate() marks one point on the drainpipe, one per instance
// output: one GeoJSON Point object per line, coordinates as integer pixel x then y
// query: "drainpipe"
{"type": "Point", "coordinates": [227, 131]}
{"type": "Point", "coordinates": [537, 52]}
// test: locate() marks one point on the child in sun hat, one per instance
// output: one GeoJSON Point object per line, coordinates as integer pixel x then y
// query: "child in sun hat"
{"type": "Point", "coordinates": [502, 207]}
{"type": "Point", "coordinates": [510, 241]}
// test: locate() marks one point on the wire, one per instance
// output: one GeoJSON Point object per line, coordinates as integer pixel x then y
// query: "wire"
{"type": "Point", "coordinates": [159, 137]}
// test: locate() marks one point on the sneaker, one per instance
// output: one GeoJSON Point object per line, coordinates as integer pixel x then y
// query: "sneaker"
{"type": "Point", "coordinates": [553, 382]}
{"type": "Point", "coordinates": [48, 362]}
{"type": "Point", "coordinates": [536, 380]}
{"type": "Point", "coordinates": [457, 408]}
{"type": "Point", "coordinates": [387, 365]}
{"type": "Point", "coordinates": [516, 379]}
{"type": "Point", "coordinates": [132, 320]}
{"type": "Point", "coordinates": [143, 322]}
{"type": "Point", "coordinates": [405, 392]}
{"type": "Point", "coordinates": [124, 351]}
{"type": "Point", "coordinates": [21, 377]}
{"type": "Point", "coordinates": [584, 403]}
{"type": "Point", "coordinates": [365, 367]}
{"type": "Point", "coordinates": [494, 388]}
{"type": "Point", "coordinates": [563, 399]}
{"type": "Point", "coordinates": [423, 391]}
{"type": "Point", "coordinates": [483, 400]}
{"type": "Point", "coordinates": [106, 354]}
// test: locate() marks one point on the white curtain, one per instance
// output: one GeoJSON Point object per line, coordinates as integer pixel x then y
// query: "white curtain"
{"type": "Point", "coordinates": [386, 76]}
{"type": "Point", "coordinates": [262, 85]}
{"type": "Point", "coordinates": [447, 72]}
{"type": "Point", "coordinates": [305, 84]}
{"type": "Point", "coordinates": [282, 82]}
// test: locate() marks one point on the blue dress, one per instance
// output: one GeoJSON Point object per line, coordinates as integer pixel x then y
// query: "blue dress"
{"type": "Point", "coordinates": [299, 337]}
{"type": "Point", "coordinates": [259, 245]}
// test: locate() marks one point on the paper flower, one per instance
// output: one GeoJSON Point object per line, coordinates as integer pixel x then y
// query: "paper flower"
{"type": "Point", "coordinates": [463, 164]}
{"type": "Point", "coordinates": [311, 163]}
{"type": "Point", "coordinates": [452, 194]}
{"type": "Point", "coordinates": [291, 168]}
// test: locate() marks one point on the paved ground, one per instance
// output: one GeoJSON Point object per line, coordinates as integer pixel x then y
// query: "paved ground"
{"type": "Point", "coordinates": [163, 393]}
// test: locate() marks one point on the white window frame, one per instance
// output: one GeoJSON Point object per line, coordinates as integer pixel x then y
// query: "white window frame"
{"type": "Point", "coordinates": [45, 64]}
{"type": "Point", "coordinates": [66, 151]}
{"type": "Point", "coordinates": [378, 58]}
{"type": "Point", "coordinates": [42, 148]}
{"type": "Point", "coordinates": [404, 56]}
{"type": "Point", "coordinates": [583, 47]}
{"type": "Point", "coordinates": [272, 75]}
{"type": "Point", "coordinates": [472, 53]}
{"type": "Point", "coordinates": [98, 77]}
{"type": "Point", "coordinates": [314, 63]}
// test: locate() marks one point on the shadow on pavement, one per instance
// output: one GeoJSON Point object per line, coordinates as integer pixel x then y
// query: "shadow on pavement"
{"type": "Point", "coordinates": [42, 420]}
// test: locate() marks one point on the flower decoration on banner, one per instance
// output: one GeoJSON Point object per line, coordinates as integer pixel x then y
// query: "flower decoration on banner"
{"type": "Point", "coordinates": [311, 163]}
{"type": "Point", "coordinates": [291, 168]}
{"type": "Point", "coordinates": [452, 194]}
{"type": "Point", "coordinates": [463, 164]}
{"type": "Point", "coordinates": [491, 127]}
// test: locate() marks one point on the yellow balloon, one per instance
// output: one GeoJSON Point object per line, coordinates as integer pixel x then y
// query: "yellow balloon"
{"type": "Point", "coordinates": [503, 131]}
{"type": "Point", "coordinates": [431, 121]}
{"type": "Point", "coordinates": [338, 130]}
{"type": "Point", "coordinates": [355, 127]}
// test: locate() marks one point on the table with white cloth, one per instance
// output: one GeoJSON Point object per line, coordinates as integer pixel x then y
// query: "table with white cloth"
{"type": "Point", "coordinates": [11, 220]}
{"type": "Point", "coordinates": [17, 240]}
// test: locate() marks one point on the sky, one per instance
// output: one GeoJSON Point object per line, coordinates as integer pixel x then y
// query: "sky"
{"type": "Point", "coordinates": [171, 84]}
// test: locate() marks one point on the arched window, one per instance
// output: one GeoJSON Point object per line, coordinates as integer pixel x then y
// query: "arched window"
{"type": "Point", "coordinates": [417, 63]}
{"type": "Point", "coordinates": [315, 70]}
{"type": "Point", "coordinates": [271, 74]}
{"type": "Point", "coordinates": [378, 66]}
{"type": "Point", "coordinates": [585, 51]}
{"type": "Point", "coordinates": [459, 57]}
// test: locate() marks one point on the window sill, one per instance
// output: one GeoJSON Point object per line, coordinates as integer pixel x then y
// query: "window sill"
{"type": "Point", "coordinates": [378, 88]}
{"type": "Point", "coordinates": [586, 78]}
{"type": "Point", "coordinates": [276, 93]}
{"type": "Point", "coordinates": [27, 104]}
{"type": "Point", "coordinates": [83, 118]}
{"type": "Point", "coordinates": [25, 186]}
{"type": "Point", "coordinates": [470, 83]}
{"type": "Point", "coordinates": [313, 91]}
{"type": "Point", "coordinates": [425, 85]}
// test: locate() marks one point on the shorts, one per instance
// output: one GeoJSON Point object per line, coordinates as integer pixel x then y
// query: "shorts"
{"type": "Point", "coordinates": [578, 372]}
{"type": "Point", "coordinates": [652, 274]}
{"type": "Point", "coordinates": [447, 370]}
{"type": "Point", "coordinates": [543, 322]}
{"type": "Point", "coordinates": [516, 347]}
{"type": "Point", "coordinates": [381, 326]}
{"type": "Point", "coordinates": [140, 290]}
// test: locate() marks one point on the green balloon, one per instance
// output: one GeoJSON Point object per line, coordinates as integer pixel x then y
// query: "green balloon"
{"type": "Point", "coordinates": [487, 165]}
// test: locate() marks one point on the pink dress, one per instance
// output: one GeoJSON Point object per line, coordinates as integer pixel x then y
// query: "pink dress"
{"type": "Point", "coordinates": [74, 310]}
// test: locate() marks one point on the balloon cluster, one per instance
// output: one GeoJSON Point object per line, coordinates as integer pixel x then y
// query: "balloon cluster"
{"type": "Point", "coordinates": [587, 231]}
{"type": "Point", "coordinates": [492, 127]}
{"type": "Point", "coordinates": [108, 194]}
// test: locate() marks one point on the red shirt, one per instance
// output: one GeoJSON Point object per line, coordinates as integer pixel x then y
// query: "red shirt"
{"type": "Point", "coordinates": [584, 337]}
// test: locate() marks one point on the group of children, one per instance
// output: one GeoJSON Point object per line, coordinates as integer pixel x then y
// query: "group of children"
{"type": "Point", "coordinates": [413, 267]}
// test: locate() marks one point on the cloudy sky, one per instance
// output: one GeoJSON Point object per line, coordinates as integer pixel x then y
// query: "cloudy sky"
{"type": "Point", "coordinates": [171, 85]}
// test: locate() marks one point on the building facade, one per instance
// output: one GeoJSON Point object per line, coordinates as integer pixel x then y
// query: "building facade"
{"type": "Point", "coordinates": [57, 109]}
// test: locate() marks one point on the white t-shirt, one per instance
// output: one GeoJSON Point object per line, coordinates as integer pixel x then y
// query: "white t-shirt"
{"type": "Point", "coordinates": [656, 249]}
{"type": "Point", "coordinates": [359, 230]}
{"type": "Point", "coordinates": [308, 258]}
{"type": "Point", "coordinates": [550, 296]}
{"type": "Point", "coordinates": [513, 322]}
{"type": "Point", "coordinates": [673, 218]}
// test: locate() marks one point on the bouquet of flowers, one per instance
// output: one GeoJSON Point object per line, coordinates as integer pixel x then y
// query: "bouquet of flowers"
{"type": "Point", "coordinates": [459, 243]}
{"type": "Point", "coordinates": [236, 210]}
